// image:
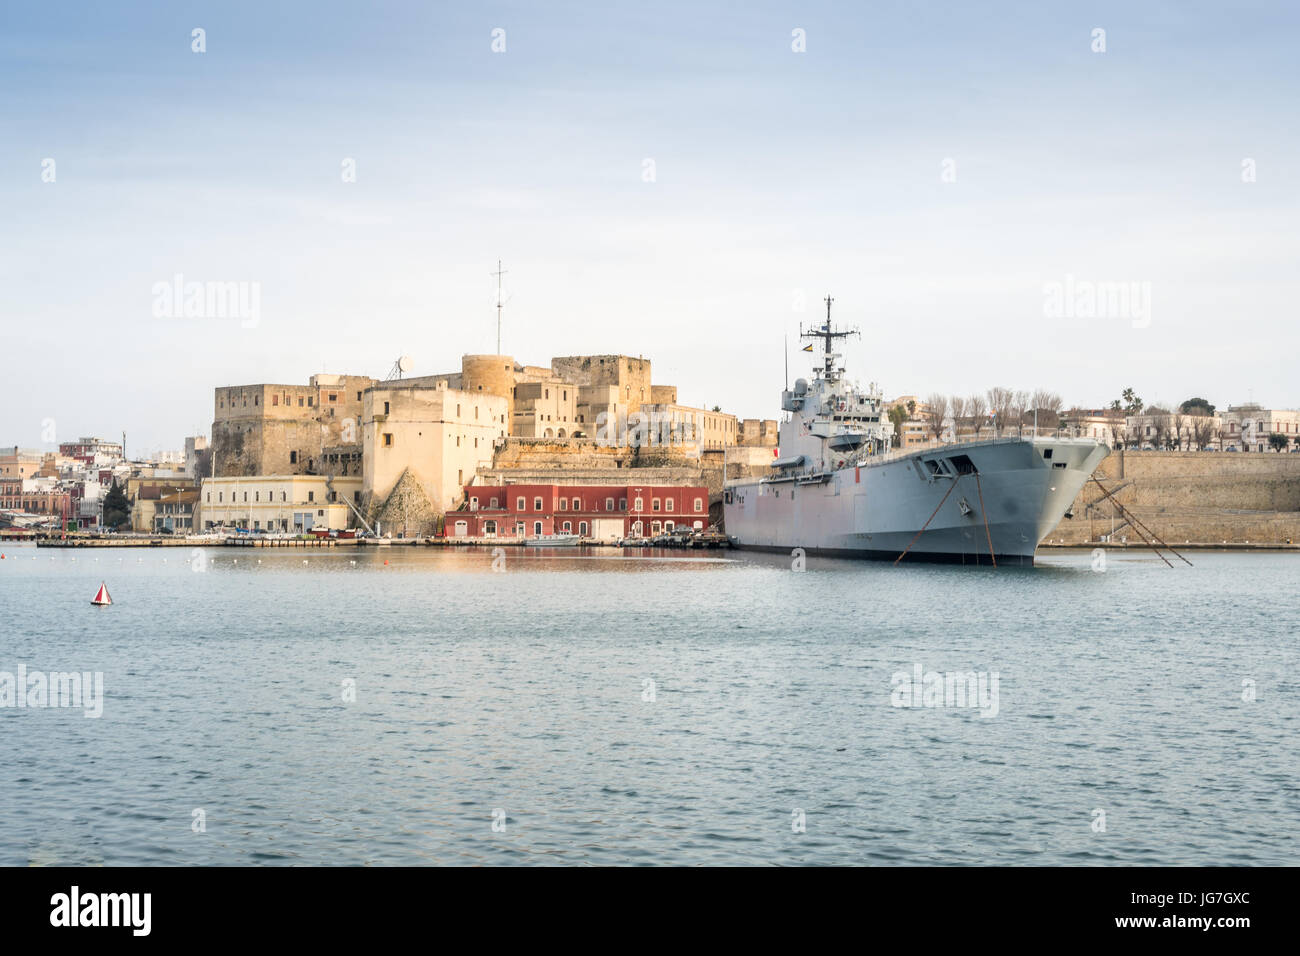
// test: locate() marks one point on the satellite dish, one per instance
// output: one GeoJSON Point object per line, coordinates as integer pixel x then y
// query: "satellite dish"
{"type": "Point", "coordinates": [401, 366]}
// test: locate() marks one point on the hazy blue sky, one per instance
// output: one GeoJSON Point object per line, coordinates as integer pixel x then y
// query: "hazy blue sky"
{"type": "Point", "coordinates": [775, 172]}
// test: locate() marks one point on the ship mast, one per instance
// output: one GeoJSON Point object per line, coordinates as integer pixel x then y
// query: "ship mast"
{"type": "Point", "coordinates": [828, 336]}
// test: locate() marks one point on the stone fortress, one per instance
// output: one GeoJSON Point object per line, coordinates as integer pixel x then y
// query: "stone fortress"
{"type": "Point", "coordinates": [415, 443]}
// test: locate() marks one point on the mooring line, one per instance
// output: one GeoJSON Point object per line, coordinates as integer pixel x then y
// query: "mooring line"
{"type": "Point", "coordinates": [985, 515]}
{"type": "Point", "coordinates": [927, 521]}
{"type": "Point", "coordinates": [1139, 526]}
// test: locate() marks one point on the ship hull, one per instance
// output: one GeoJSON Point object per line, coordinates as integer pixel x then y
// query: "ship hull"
{"type": "Point", "coordinates": [976, 501]}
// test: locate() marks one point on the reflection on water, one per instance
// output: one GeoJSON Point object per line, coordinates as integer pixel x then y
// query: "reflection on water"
{"type": "Point", "coordinates": [389, 705]}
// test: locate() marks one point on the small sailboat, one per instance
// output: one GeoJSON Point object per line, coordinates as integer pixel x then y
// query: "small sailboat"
{"type": "Point", "coordinates": [101, 597]}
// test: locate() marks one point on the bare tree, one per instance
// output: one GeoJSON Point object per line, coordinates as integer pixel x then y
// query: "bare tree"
{"type": "Point", "coordinates": [1048, 405]}
{"type": "Point", "coordinates": [957, 408]}
{"type": "Point", "coordinates": [1020, 410]}
{"type": "Point", "coordinates": [1159, 430]}
{"type": "Point", "coordinates": [1000, 403]}
{"type": "Point", "coordinates": [1202, 432]}
{"type": "Point", "coordinates": [977, 408]}
{"type": "Point", "coordinates": [936, 411]}
{"type": "Point", "coordinates": [1177, 422]}
{"type": "Point", "coordinates": [1115, 424]}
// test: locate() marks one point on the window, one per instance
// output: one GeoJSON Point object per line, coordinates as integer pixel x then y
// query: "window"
{"type": "Point", "coordinates": [293, 458]}
{"type": "Point", "coordinates": [458, 410]}
{"type": "Point", "coordinates": [582, 528]}
{"type": "Point", "coordinates": [309, 401]}
{"type": "Point", "coordinates": [537, 504]}
{"type": "Point", "coordinates": [537, 527]}
{"type": "Point", "coordinates": [221, 495]}
{"type": "Point", "coordinates": [609, 504]}
{"type": "Point", "coordinates": [385, 408]}
{"type": "Point", "coordinates": [311, 496]}
{"type": "Point", "coordinates": [300, 401]}
{"type": "Point", "coordinates": [622, 504]}
{"type": "Point", "coordinates": [564, 504]}
{"type": "Point", "coordinates": [568, 527]}
{"type": "Point", "coordinates": [699, 504]}
{"type": "Point", "coordinates": [282, 497]}
{"type": "Point", "coordinates": [668, 504]}
{"type": "Point", "coordinates": [473, 504]}
{"type": "Point", "coordinates": [519, 504]}
{"type": "Point", "coordinates": [257, 496]}
{"type": "Point", "coordinates": [275, 399]}
{"type": "Point", "coordinates": [358, 396]}
{"type": "Point", "coordinates": [388, 439]}
{"type": "Point", "coordinates": [333, 397]}
{"type": "Point", "coordinates": [638, 504]}
{"type": "Point", "coordinates": [654, 504]}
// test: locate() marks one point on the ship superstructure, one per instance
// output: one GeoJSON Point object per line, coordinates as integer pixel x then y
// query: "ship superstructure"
{"type": "Point", "coordinates": [837, 487]}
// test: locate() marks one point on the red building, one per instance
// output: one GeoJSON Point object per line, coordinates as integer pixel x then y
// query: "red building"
{"type": "Point", "coordinates": [602, 512]}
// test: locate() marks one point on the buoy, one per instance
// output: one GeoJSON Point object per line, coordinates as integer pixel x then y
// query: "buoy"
{"type": "Point", "coordinates": [101, 596]}
{"type": "Point", "coordinates": [385, 560]}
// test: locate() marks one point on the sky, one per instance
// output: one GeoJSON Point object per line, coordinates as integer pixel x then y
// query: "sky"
{"type": "Point", "coordinates": [672, 180]}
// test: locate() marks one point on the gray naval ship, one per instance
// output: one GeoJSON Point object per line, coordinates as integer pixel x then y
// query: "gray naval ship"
{"type": "Point", "coordinates": [837, 488]}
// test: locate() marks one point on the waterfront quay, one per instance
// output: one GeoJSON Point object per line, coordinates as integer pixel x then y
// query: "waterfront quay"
{"type": "Point", "coordinates": [260, 541]}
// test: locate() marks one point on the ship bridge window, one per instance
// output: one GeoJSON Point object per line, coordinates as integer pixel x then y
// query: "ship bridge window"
{"type": "Point", "coordinates": [1047, 453]}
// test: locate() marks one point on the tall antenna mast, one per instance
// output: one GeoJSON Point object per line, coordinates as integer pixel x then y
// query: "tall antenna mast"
{"type": "Point", "coordinates": [828, 337]}
{"type": "Point", "coordinates": [499, 273]}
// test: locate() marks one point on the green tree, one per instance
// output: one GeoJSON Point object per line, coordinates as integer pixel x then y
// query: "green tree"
{"type": "Point", "coordinates": [898, 414]}
{"type": "Point", "coordinates": [1196, 406]}
{"type": "Point", "coordinates": [1132, 404]}
{"type": "Point", "coordinates": [1279, 442]}
{"type": "Point", "coordinates": [117, 510]}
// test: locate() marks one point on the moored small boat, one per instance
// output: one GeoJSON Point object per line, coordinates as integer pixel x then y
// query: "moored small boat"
{"type": "Point", "coordinates": [552, 541]}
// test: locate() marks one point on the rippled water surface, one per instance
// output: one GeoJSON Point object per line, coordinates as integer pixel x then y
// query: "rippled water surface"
{"type": "Point", "coordinates": [523, 697]}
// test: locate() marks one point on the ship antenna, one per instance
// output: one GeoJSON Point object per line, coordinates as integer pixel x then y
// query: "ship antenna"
{"type": "Point", "coordinates": [499, 273]}
{"type": "Point", "coordinates": [785, 350]}
{"type": "Point", "coordinates": [828, 337]}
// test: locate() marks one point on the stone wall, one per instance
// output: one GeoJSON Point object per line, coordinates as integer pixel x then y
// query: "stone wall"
{"type": "Point", "coordinates": [1199, 497]}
